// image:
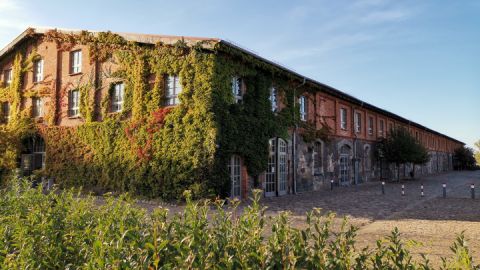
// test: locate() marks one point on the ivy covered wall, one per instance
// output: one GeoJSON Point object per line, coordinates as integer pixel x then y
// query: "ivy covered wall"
{"type": "Point", "coordinates": [149, 149]}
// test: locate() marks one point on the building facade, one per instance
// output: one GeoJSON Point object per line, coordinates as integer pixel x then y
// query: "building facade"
{"type": "Point", "coordinates": [167, 113]}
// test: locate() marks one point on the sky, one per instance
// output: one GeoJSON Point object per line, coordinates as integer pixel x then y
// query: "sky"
{"type": "Point", "coordinates": [418, 59]}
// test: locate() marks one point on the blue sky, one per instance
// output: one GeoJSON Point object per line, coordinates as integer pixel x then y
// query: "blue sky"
{"type": "Point", "coordinates": [419, 59]}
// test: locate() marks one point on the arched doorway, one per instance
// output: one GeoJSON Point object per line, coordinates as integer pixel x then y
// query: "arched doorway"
{"type": "Point", "coordinates": [276, 174]}
{"type": "Point", "coordinates": [33, 155]}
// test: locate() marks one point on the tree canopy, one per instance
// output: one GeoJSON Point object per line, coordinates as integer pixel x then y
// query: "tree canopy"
{"type": "Point", "coordinates": [401, 147]}
{"type": "Point", "coordinates": [464, 158]}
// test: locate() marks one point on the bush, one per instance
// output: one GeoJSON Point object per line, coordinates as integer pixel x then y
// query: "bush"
{"type": "Point", "coordinates": [66, 230]}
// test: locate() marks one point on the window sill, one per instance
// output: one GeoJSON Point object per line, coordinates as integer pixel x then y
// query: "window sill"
{"type": "Point", "coordinates": [75, 74]}
{"type": "Point", "coordinates": [74, 117]}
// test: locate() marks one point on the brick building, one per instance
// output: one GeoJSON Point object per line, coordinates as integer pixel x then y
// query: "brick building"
{"type": "Point", "coordinates": [345, 154]}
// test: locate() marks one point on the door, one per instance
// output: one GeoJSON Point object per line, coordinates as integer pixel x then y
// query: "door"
{"type": "Point", "coordinates": [234, 168]}
{"type": "Point", "coordinates": [282, 167]}
{"type": "Point", "coordinates": [270, 174]}
{"type": "Point", "coordinates": [344, 170]}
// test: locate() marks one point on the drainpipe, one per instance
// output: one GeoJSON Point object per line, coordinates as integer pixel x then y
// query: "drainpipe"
{"type": "Point", "coordinates": [294, 138]}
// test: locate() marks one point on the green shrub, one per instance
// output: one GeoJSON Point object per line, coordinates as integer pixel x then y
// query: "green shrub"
{"type": "Point", "coordinates": [67, 230]}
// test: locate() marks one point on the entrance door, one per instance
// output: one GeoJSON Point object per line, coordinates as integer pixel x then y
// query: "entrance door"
{"type": "Point", "coordinates": [282, 167]}
{"type": "Point", "coordinates": [234, 168]}
{"type": "Point", "coordinates": [344, 170]}
{"type": "Point", "coordinates": [270, 175]}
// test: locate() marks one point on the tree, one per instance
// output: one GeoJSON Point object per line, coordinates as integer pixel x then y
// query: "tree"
{"type": "Point", "coordinates": [400, 147]}
{"type": "Point", "coordinates": [464, 159]}
{"type": "Point", "coordinates": [477, 153]}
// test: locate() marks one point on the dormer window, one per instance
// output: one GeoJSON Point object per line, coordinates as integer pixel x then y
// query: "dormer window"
{"type": "Point", "coordinates": [8, 77]}
{"type": "Point", "coordinates": [303, 108]}
{"type": "Point", "coordinates": [237, 89]}
{"type": "Point", "coordinates": [273, 99]}
{"type": "Point", "coordinates": [173, 89]}
{"type": "Point", "coordinates": [38, 70]}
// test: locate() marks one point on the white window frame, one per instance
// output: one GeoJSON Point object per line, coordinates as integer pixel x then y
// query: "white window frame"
{"type": "Point", "coordinates": [8, 76]}
{"type": "Point", "coordinates": [76, 61]}
{"type": "Point", "coordinates": [303, 107]}
{"type": "Point", "coordinates": [74, 103]}
{"type": "Point", "coordinates": [173, 88]}
{"type": "Point", "coordinates": [273, 98]}
{"type": "Point", "coordinates": [237, 92]}
{"type": "Point", "coordinates": [370, 125]}
{"type": "Point", "coordinates": [117, 97]}
{"type": "Point", "coordinates": [358, 122]}
{"type": "Point", "coordinates": [38, 71]}
{"type": "Point", "coordinates": [343, 118]}
{"type": "Point", "coordinates": [235, 171]}
{"type": "Point", "coordinates": [37, 104]}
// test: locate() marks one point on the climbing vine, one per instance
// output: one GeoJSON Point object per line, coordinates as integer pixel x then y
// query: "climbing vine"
{"type": "Point", "coordinates": [150, 149]}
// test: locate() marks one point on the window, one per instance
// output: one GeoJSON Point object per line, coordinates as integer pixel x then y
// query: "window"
{"type": "Point", "coordinates": [37, 107]}
{"type": "Point", "coordinates": [74, 103]}
{"type": "Point", "coordinates": [174, 88]}
{"type": "Point", "coordinates": [116, 97]}
{"type": "Point", "coordinates": [303, 108]}
{"type": "Point", "coordinates": [237, 89]}
{"type": "Point", "coordinates": [358, 122]}
{"type": "Point", "coordinates": [273, 99]}
{"type": "Point", "coordinates": [343, 118]}
{"type": "Point", "coordinates": [370, 125]}
{"type": "Point", "coordinates": [390, 127]}
{"type": "Point", "coordinates": [5, 111]}
{"type": "Point", "coordinates": [381, 129]}
{"type": "Point", "coordinates": [416, 135]}
{"type": "Point", "coordinates": [38, 70]}
{"type": "Point", "coordinates": [7, 77]}
{"type": "Point", "coordinates": [234, 168]}
{"type": "Point", "coordinates": [76, 62]}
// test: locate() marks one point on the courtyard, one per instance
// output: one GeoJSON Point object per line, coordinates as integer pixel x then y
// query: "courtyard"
{"type": "Point", "coordinates": [432, 221]}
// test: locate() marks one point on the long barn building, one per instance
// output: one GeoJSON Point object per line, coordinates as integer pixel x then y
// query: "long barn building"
{"type": "Point", "coordinates": [70, 79]}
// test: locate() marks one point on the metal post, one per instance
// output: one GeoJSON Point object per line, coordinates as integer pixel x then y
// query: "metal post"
{"type": "Point", "coordinates": [421, 188]}
{"type": "Point", "coordinates": [383, 187]}
{"type": "Point", "coordinates": [331, 184]}
{"type": "Point", "coordinates": [403, 190]}
{"type": "Point", "coordinates": [444, 190]}
{"type": "Point", "coordinates": [472, 190]}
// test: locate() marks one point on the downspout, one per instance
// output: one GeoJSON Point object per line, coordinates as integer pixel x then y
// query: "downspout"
{"type": "Point", "coordinates": [294, 138]}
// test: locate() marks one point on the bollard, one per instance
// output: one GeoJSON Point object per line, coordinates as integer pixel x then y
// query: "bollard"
{"type": "Point", "coordinates": [472, 190]}
{"type": "Point", "coordinates": [383, 187]}
{"type": "Point", "coordinates": [444, 190]}
{"type": "Point", "coordinates": [421, 190]}
{"type": "Point", "coordinates": [331, 184]}
{"type": "Point", "coordinates": [403, 190]}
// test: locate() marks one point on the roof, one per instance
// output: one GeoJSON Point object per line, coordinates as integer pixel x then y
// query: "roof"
{"type": "Point", "coordinates": [169, 39]}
